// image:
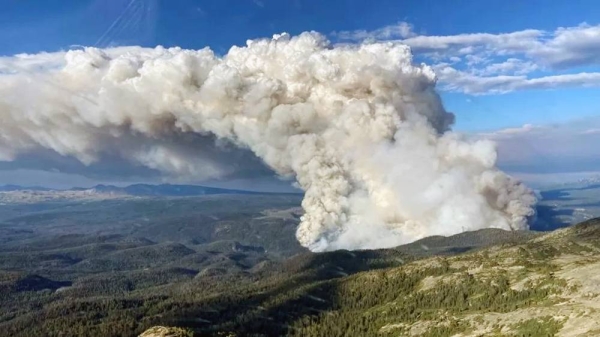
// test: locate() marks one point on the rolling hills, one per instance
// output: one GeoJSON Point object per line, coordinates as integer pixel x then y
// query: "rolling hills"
{"type": "Point", "coordinates": [229, 265]}
{"type": "Point", "coordinates": [119, 286]}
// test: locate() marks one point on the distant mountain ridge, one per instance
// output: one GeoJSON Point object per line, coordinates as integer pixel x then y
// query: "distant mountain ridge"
{"type": "Point", "coordinates": [14, 188]}
{"type": "Point", "coordinates": [140, 190]}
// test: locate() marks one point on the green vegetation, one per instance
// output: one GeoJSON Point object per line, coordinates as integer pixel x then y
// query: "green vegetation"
{"type": "Point", "coordinates": [121, 284]}
{"type": "Point", "coordinates": [542, 327]}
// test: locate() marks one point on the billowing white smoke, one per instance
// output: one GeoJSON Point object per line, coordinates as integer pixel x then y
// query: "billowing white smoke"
{"type": "Point", "coordinates": [360, 128]}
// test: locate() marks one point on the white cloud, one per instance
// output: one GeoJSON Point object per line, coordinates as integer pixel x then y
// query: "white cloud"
{"type": "Point", "coordinates": [510, 66]}
{"type": "Point", "coordinates": [569, 47]}
{"type": "Point", "coordinates": [485, 63]}
{"type": "Point", "coordinates": [562, 48]}
{"type": "Point", "coordinates": [38, 62]}
{"type": "Point", "coordinates": [455, 80]}
{"type": "Point", "coordinates": [401, 30]}
{"type": "Point", "coordinates": [472, 60]}
{"type": "Point", "coordinates": [526, 128]}
{"type": "Point", "coordinates": [514, 42]}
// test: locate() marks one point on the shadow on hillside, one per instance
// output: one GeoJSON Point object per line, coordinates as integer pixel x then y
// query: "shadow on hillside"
{"type": "Point", "coordinates": [302, 288]}
{"type": "Point", "coordinates": [249, 316]}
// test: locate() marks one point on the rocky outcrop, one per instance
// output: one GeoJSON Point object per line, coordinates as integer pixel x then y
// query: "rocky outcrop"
{"type": "Point", "coordinates": [162, 331]}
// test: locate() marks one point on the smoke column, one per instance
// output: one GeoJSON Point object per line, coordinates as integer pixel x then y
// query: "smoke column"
{"type": "Point", "coordinates": [360, 128]}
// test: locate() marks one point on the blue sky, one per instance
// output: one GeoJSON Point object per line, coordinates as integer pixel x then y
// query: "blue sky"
{"type": "Point", "coordinates": [501, 64]}
{"type": "Point", "coordinates": [34, 25]}
{"type": "Point", "coordinates": [50, 25]}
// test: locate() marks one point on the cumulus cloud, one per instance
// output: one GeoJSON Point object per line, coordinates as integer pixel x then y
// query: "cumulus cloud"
{"type": "Point", "coordinates": [360, 128]}
{"type": "Point", "coordinates": [484, 63]}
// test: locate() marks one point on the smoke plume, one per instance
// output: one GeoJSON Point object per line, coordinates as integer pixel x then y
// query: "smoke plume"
{"type": "Point", "coordinates": [360, 128]}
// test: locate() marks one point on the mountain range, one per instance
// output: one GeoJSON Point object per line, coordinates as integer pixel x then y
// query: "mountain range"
{"type": "Point", "coordinates": [144, 190]}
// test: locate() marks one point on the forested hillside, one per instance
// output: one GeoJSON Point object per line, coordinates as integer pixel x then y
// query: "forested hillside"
{"type": "Point", "coordinates": [529, 285]}
{"type": "Point", "coordinates": [230, 266]}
